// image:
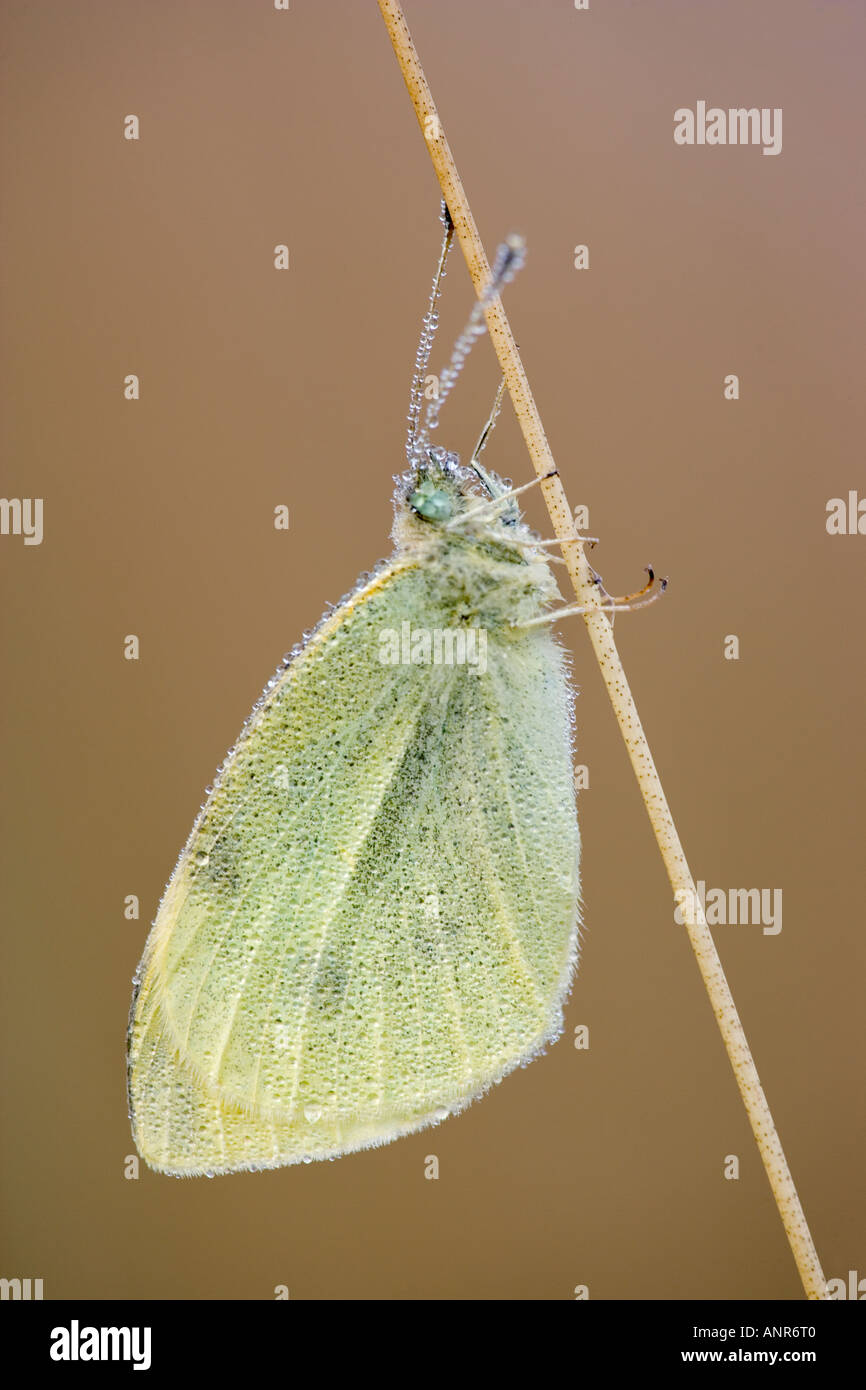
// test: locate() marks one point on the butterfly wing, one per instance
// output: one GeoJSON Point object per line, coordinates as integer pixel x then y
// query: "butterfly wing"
{"type": "Point", "coordinates": [375, 915]}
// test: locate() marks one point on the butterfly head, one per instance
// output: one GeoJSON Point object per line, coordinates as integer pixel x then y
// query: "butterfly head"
{"type": "Point", "coordinates": [441, 499]}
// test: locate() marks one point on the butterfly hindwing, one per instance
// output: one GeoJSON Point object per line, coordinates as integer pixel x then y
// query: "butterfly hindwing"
{"type": "Point", "coordinates": [375, 915]}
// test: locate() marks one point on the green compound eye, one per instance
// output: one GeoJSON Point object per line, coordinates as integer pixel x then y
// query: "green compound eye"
{"type": "Point", "coordinates": [432, 503]}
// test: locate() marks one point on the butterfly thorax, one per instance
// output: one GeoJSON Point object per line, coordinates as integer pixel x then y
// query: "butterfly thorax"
{"type": "Point", "coordinates": [481, 560]}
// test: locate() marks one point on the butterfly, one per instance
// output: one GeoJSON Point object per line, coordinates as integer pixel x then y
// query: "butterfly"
{"type": "Point", "coordinates": [376, 914]}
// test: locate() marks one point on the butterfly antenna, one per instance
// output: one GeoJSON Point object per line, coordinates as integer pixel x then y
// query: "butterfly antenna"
{"type": "Point", "coordinates": [509, 259]}
{"type": "Point", "coordinates": [429, 324]}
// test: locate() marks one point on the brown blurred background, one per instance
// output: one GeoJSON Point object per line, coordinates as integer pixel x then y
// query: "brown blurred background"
{"type": "Point", "coordinates": [259, 387]}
